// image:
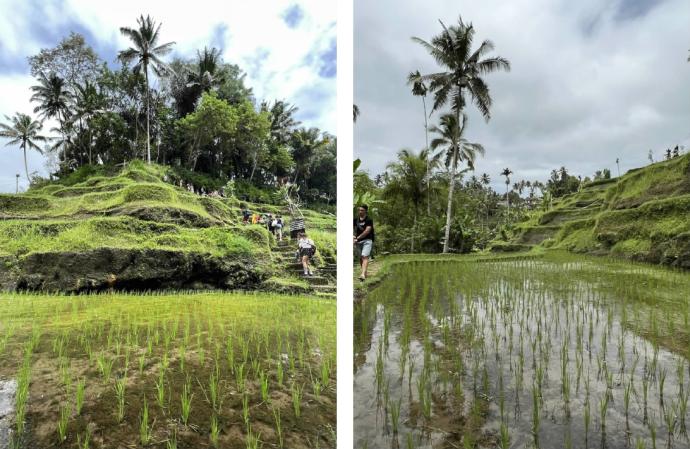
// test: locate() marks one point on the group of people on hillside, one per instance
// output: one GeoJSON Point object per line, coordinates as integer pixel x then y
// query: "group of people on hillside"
{"type": "Point", "coordinates": [274, 224]}
{"type": "Point", "coordinates": [306, 248]}
{"type": "Point", "coordinates": [188, 186]}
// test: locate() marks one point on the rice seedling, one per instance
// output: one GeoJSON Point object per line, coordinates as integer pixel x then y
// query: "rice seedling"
{"type": "Point", "coordinates": [395, 415]}
{"type": "Point", "coordinates": [84, 443]}
{"type": "Point", "coordinates": [215, 431]}
{"type": "Point", "coordinates": [252, 441]}
{"type": "Point", "coordinates": [186, 401]}
{"type": "Point", "coordinates": [297, 399]}
{"type": "Point", "coordinates": [120, 398]}
{"type": "Point", "coordinates": [263, 379]}
{"type": "Point", "coordinates": [62, 422]}
{"type": "Point", "coordinates": [278, 424]}
{"type": "Point", "coordinates": [144, 427]}
{"type": "Point", "coordinates": [79, 396]}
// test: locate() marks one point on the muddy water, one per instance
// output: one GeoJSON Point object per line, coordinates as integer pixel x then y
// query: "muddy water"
{"type": "Point", "coordinates": [545, 350]}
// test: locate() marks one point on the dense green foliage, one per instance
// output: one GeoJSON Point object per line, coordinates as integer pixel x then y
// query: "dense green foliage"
{"type": "Point", "coordinates": [201, 119]}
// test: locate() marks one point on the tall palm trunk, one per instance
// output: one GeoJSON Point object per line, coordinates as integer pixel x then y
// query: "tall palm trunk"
{"type": "Point", "coordinates": [414, 230]}
{"type": "Point", "coordinates": [26, 165]}
{"type": "Point", "coordinates": [449, 209]}
{"type": "Point", "coordinates": [428, 178]}
{"type": "Point", "coordinates": [508, 199]}
{"type": "Point", "coordinates": [148, 136]}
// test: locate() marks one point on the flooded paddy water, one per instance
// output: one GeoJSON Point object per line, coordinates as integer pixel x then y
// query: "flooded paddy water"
{"type": "Point", "coordinates": [554, 352]}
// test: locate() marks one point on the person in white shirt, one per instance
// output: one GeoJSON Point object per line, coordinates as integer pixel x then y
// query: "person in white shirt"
{"type": "Point", "coordinates": [307, 249]}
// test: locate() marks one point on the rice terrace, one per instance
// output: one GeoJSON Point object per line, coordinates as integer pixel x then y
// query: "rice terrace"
{"type": "Point", "coordinates": [552, 351]}
{"type": "Point", "coordinates": [169, 279]}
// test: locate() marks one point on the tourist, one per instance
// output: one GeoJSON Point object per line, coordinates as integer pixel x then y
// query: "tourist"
{"type": "Point", "coordinates": [307, 249]}
{"type": "Point", "coordinates": [269, 224]}
{"type": "Point", "coordinates": [279, 228]}
{"type": "Point", "coordinates": [246, 214]}
{"type": "Point", "coordinates": [363, 238]}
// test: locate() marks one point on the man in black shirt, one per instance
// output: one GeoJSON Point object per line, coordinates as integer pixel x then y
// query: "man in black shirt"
{"type": "Point", "coordinates": [363, 238]}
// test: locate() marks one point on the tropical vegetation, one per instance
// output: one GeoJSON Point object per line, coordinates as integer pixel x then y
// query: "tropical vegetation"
{"type": "Point", "coordinates": [200, 118]}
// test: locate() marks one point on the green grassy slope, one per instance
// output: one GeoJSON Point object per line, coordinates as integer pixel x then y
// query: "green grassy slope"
{"type": "Point", "coordinates": [643, 215]}
{"type": "Point", "coordinates": [112, 221]}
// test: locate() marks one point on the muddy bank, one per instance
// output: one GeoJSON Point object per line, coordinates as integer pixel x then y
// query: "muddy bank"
{"type": "Point", "coordinates": [128, 269]}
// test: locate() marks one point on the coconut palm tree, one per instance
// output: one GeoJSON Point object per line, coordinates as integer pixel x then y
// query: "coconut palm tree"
{"type": "Point", "coordinates": [145, 52]}
{"type": "Point", "coordinates": [23, 131]}
{"type": "Point", "coordinates": [283, 120]}
{"type": "Point", "coordinates": [408, 180]}
{"type": "Point", "coordinates": [90, 102]}
{"type": "Point", "coordinates": [452, 50]}
{"type": "Point", "coordinates": [53, 100]}
{"type": "Point", "coordinates": [419, 89]}
{"type": "Point", "coordinates": [507, 172]}
{"type": "Point", "coordinates": [208, 76]}
{"type": "Point", "coordinates": [456, 149]}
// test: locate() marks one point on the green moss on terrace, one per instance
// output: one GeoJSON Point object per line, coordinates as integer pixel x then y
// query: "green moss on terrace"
{"type": "Point", "coordinates": [643, 215]}
{"type": "Point", "coordinates": [135, 209]}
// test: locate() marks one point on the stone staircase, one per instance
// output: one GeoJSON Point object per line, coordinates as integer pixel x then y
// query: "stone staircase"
{"type": "Point", "coordinates": [324, 279]}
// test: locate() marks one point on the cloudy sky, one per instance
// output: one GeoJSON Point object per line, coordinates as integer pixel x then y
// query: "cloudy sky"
{"type": "Point", "coordinates": [287, 48]}
{"type": "Point", "coordinates": [591, 81]}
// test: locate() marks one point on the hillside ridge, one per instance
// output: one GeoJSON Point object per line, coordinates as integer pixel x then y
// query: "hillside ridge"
{"type": "Point", "coordinates": [135, 229]}
{"type": "Point", "coordinates": [643, 215]}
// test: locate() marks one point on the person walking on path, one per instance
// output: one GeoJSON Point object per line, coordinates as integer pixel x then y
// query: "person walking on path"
{"type": "Point", "coordinates": [307, 249]}
{"type": "Point", "coordinates": [363, 238]}
{"type": "Point", "coordinates": [278, 226]}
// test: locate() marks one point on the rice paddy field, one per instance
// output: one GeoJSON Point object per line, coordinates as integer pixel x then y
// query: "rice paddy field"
{"type": "Point", "coordinates": [551, 351]}
{"type": "Point", "coordinates": [170, 370]}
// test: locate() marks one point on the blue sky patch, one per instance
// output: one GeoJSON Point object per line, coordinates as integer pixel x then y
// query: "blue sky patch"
{"type": "Point", "coordinates": [328, 61]}
{"type": "Point", "coordinates": [293, 16]}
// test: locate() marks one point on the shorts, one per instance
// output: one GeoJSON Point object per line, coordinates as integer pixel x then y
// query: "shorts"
{"type": "Point", "coordinates": [364, 247]}
{"type": "Point", "coordinates": [306, 252]}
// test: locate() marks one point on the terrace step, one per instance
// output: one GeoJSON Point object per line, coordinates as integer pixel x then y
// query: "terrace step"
{"type": "Point", "coordinates": [324, 288]}
{"type": "Point", "coordinates": [559, 216]}
{"type": "Point", "coordinates": [537, 234]}
{"type": "Point", "coordinates": [316, 280]}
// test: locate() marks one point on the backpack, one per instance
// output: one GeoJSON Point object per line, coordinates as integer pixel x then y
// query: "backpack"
{"type": "Point", "coordinates": [274, 223]}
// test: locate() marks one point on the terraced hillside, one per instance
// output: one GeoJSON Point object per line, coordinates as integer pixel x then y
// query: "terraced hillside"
{"type": "Point", "coordinates": [131, 229]}
{"type": "Point", "coordinates": [643, 215]}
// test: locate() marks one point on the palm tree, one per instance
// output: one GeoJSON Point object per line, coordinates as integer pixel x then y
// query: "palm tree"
{"type": "Point", "coordinates": [145, 52]}
{"type": "Point", "coordinates": [53, 99]}
{"type": "Point", "coordinates": [507, 172]}
{"type": "Point", "coordinates": [23, 131]}
{"type": "Point", "coordinates": [408, 181]}
{"type": "Point", "coordinates": [283, 120]}
{"type": "Point", "coordinates": [452, 50]}
{"type": "Point", "coordinates": [450, 139]}
{"type": "Point", "coordinates": [89, 103]}
{"type": "Point", "coordinates": [419, 89]}
{"type": "Point", "coordinates": [207, 76]}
